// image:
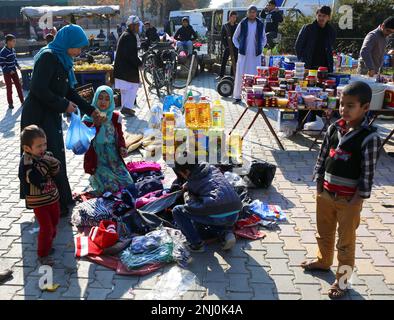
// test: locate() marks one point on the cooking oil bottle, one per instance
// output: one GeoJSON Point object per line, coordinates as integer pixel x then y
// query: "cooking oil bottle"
{"type": "Point", "coordinates": [191, 116]}
{"type": "Point", "coordinates": [204, 113]}
{"type": "Point", "coordinates": [168, 126]}
{"type": "Point", "coordinates": [217, 115]}
{"type": "Point", "coordinates": [235, 148]}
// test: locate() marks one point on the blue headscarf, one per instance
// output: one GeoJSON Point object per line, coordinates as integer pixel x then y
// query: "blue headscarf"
{"type": "Point", "coordinates": [70, 36]}
{"type": "Point", "coordinates": [100, 138]}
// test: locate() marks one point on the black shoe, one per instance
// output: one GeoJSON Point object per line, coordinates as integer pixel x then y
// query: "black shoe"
{"type": "Point", "coordinates": [237, 101]}
{"type": "Point", "coordinates": [199, 247]}
{"type": "Point", "coordinates": [5, 275]}
{"type": "Point", "coordinates": [10, 106]}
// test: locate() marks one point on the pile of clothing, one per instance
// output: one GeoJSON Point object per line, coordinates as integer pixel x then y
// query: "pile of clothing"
{"type": "Point", "coordinates": [162, 245]}
{"type": "Point", "coordinates": [128, 225]}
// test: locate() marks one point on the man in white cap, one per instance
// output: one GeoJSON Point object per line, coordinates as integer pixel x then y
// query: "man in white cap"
{"type": "Point", "coordinates": [127, 64]}
{"type": "Point", "coordinates": [250, 39]}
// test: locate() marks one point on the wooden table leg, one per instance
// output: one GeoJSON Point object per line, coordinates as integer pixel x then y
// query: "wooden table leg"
{"type": "Point", "coordinates": [304, 120]}
{"type": "Point", "coordinates": [251, 124]}
{"type": "Point", "coordinates": [239, 119]}
{"type": "Point", "coordinates": [268, 123]}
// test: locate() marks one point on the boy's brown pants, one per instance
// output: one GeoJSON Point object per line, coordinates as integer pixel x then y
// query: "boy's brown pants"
{"type": "Point", "coordinates": [330, 211]}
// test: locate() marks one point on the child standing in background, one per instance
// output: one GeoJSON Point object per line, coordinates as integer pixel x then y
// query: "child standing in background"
{"type": "Point", "coordinates": [9, 63]}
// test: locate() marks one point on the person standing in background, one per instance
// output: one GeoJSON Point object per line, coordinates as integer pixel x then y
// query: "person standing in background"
{"type": "Point", "coordinates": [374, 47]}
{"type": "Point", "coordinates": [272, 17]}
{"type": "Point", "coordinates": [314, 44]}
{"type": "Point", "coordinates": [127, 64]}
{"type": "Point", "coordinates": [9, 63]}
{"type": "Point", "coordinates": [250, 39]}
{"type": "Point", "coordinates": [228, 31]}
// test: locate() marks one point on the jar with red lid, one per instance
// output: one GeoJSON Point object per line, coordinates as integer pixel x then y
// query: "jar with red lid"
{"type": "Point", "coordinates": [312, 81]}
{"type": "Point", "coordinates": [322, 74]}
{"type": "Point", "coordinates": [330, 84]}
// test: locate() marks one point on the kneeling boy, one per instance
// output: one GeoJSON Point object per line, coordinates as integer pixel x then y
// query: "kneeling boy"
{"type": "Point", "coordinates": [210, 200]}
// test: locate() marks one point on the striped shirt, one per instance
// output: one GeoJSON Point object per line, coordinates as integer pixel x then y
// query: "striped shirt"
{"type": "Point", "coordinates": [36, 176]}
{"type": "Point", "coordinates": [8, 61]}
{"type": "Point", "coordinates": [370, 152]}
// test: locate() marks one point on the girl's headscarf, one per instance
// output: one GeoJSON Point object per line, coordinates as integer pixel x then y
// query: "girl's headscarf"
{"type": "Point", "coordinates": [100, 138]}
{"type": "Point", "coordinates": [70, 36]}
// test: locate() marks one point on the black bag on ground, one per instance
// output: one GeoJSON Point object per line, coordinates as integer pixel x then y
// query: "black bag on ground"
{"type": "Point", "coordinates": [261, 174]}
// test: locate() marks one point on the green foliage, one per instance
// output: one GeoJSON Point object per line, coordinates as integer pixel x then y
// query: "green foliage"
{"type": "Point", "coordinates": [289, 29]}
{"type": "Point", "coordinates": [367, 16]}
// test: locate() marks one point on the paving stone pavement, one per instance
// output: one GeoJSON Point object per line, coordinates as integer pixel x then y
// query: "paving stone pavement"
{"type": "Point", "coordinates": [262, 269]}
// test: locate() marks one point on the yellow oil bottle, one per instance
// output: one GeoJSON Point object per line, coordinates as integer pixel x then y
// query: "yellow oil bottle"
{"type": "Point", "coordinates": [235, 148]}
{"type": "Point", "coordinates": [204, 113]}
{"type": "Point", "coordinates": [217, 115]}
{"type": "Point", "coordinates": [168, 127]}
{"type": "Point", "coordinates": [191, 116]}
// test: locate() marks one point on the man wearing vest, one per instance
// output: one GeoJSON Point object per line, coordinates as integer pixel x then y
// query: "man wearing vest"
{"type": "Point", "coordinates": [344, 173]}
{"type": "Point", "coordinates": [250, 39]}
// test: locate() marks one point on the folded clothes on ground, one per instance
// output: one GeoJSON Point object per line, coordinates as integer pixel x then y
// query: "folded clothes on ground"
{"type": "Point", "coordinates": [91, 212]}
{"type": "Point", "coordinates": [162, 245]}
{"type": "Point", "coordinates": [267, 211]}
{"type": "Point", "coordinates": [142, 166]}
{"type": "Point", "coordinates": [99, 238]}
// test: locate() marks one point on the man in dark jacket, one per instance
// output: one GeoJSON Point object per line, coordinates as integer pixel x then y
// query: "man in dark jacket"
{"type": "Point", "coordinates": [127, 64]}
{"type": "Point", "coordinates": [151, 33]}
{"type": "Point", "coordinates": [185, 35]}
{"type": "Point", "coordinates": [227, 35]}
{"type": "Point", "coordinates": [315, 41]}
{"type": "Point", "coordinates": [272, 17]}
{"type": "Point", "coordinates": [210, 200]}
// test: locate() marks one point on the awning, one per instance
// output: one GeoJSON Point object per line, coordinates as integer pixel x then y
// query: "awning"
{"type": "Point", "coordinates": [77, 11]}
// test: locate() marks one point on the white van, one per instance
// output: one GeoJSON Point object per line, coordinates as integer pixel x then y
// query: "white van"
{"type": "Point", "coordinates": [196, 20]}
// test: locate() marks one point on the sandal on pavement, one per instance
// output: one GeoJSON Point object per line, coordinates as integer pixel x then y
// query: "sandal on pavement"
{"type": "Point", "coordinates": [335, 292]}
{"type": "Point", "coordinates": [313, 265]}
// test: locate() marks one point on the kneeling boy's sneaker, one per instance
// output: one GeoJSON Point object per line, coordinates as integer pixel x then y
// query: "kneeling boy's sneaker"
{"type": "Point", "coordinates": [228, 241]}
{"type": "Point", "coordinates": [200, 247]}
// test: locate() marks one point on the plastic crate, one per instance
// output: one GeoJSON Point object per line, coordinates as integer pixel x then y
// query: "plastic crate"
{"type": "Point", "coordinates": [97, 79]}
{"type": "Point", "coordinates": [288, 65]}
{"type": "Point", "coordinates": [340, 78]}
{"type": "Point", "coordinates": [26, 78]}
{"type": "Point", "coordinates": [287, 119]}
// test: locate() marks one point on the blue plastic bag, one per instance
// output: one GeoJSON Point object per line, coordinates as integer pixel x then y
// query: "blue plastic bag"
{"type": "Point", "coordinates": [78, 135]}
{"type": "Point", "coordinates": [172, 100]}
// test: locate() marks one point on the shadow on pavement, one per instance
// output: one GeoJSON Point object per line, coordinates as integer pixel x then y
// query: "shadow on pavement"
{"type": "Point", "coordinates": [8, 122]}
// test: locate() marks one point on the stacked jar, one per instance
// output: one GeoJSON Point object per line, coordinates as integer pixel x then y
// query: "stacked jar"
{"type": "Point", "coordinates": [299, 71]}
{"type": "Point", "coordinates": [322, 74]}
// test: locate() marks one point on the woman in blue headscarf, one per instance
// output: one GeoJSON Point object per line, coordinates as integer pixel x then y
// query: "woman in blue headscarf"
{"type": "Point", "coordinates": [52, 93]}
{"type": "Point", "coordinates": [104, 159]}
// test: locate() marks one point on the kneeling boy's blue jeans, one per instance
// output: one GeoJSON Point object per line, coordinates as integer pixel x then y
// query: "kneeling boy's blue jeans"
{"type": "Point", "coordinates": [188, 223]}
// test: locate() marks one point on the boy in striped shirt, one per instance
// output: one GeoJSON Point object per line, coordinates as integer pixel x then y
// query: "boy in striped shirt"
{"type": "Point", "coordinates": [37, 169]}
{"type": "Point", "coordinates": [9, 63]}
{"type": "Point", "coordinates": [344, 173]}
